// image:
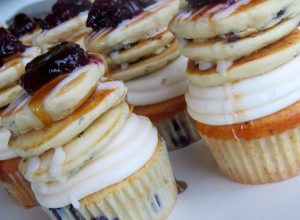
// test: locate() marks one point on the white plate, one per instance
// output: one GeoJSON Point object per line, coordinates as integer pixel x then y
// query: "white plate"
{"type": "Point", "coordinates": [209, 196]}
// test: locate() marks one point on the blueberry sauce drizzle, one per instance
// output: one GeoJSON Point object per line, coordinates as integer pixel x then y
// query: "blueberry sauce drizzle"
{"type": "Point", "coordinates": [202, 3]}
{"type": "Point", "coordinates": [64, 10]}
{"type": "Point", "coordinates": [23, 24]}
{"type": "Point", "coordinates": [9, 45]}
{"type": "Point", "coordinates": [61, 59]}
{"type": "Point", "coordinates": [109, 14]}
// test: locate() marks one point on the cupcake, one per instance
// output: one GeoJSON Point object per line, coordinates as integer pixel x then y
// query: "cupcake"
{"type": "Point", "coordinates": [13, 58]}
{"type": "Point", "coordinates": [142, 52]}
{"type": "Point", "coordinates": [25, 28]}
{"type": "Point", "coordinates": [243, 96]}
{"type": "Point", "coordinates": [66, 22]}
{"type": "Point", "coordinates": [87, 161]}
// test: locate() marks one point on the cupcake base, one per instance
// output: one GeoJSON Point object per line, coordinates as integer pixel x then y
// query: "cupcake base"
{"type": "Point", "coordinates": [15, 184]}
{"type": "Point", "coordinates": [259, 161]}
{"type": "Point", "coordinates": [177, 130]}
{"type": "Point", "coordinates": [172, 121]}
{"type": "Point", "coordinates": [150, 193]}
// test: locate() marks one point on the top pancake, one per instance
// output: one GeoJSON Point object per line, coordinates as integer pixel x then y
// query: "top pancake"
{"type": "Point", "coordinates": [54, 101]}
{"type": "Point", "coordinates": [243, 18]}
{"type": "Point", "coordinates": [151, 22]}
{"type": "Point", "coordinates": [260, 62]}
{"type": "Point", "coordinates": [63, 32]}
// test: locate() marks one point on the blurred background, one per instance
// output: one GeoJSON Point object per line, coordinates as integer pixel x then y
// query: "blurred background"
{"type": "Point", "coordinates": [37, 8]}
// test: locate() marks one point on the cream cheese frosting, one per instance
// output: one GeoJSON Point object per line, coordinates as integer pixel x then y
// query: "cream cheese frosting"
{"type": "Point", "coordinates": [122, 157]}
{"type": "Point", "coordinates": [246, 100]}
{"type": "Point", "coordinates": [165, 84]}
{"type": "Point", "coordinates": [5, 152]}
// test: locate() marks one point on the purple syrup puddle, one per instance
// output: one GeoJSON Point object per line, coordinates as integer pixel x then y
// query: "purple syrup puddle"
{"type": "Point", "coordinates": [9, 45]}
{"type": "Point", "coordinates": [22, 24]}
{"type": "Point", "coordinates": [202, 3]}
{"type": "Point", "coordinates": [109, 14]}
{"type": "Point", "coordinates": [59, 60]}
{"type": "Point", "coordinates": [64, 10]}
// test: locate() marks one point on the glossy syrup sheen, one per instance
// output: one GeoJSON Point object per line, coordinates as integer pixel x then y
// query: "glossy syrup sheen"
{"type": "Point", "coordinates": [36, 103]}
{"type": "Point", "coordinates": [55, 128]}
{"type": "Point", "coordinates": [13, 61]}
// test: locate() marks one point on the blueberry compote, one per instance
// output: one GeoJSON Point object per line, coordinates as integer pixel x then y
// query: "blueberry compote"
{"type": "Point", "coordinates": [9, 45]}
{"type": "Point", "coordinates": [106, 14]}
{"type": "Point", "coordinates": [64, 10]}
{"type": "Point", "coordinates": [23, 24]}
{"type": "Point", "coordinates": [61, 59]}
{"type": "Point", "coordinates": [201, 3]}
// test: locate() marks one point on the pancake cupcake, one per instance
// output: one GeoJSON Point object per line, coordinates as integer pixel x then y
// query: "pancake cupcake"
{"type": "Point", "coordinates": [25, 28]}
{"type": "Point", "coordinates": [142, 52]}
{"type": "Point", "coordinates": [13, 58]}
{"type": "Point", "coordinates": [66, 22]}
{"type": "Point", "coordinates": [244, 93]}
{"type": "Point", "coordinates": [83, 150]}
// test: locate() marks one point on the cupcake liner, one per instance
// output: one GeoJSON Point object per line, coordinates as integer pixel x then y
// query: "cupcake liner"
{"type": "Point", "coordinates": [148, 194]}
{"type": "Point", "coordinates": [178, 130]}
{"type": "Point", "coordinates": [259, 161]}
{"type": "Point", "coordinates": [19, 188]}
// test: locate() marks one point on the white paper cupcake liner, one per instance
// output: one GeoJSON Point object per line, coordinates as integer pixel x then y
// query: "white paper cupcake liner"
{"type": "Point", "coordinates": [178, 131]}
{"type": "Point", "coordinates": [260, 161]}
{"type": "Point", "coordinates": [148, 194]}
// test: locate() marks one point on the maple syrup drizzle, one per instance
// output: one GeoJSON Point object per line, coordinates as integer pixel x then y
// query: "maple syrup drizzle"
{"type": "Point", "coordinates": [13, 61]}
{"type": "Point", "coordinates": [36, 103]}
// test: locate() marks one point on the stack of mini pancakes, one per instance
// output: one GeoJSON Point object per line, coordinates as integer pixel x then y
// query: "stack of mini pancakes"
{"type": "Point", "coordinates": [138, 46]}
{"type": "Point", "coordinates": [11, 70]}
{"type": "Point", "coordinates": [142, 52]}
{"type": "Point", "coordinates": [79, 140]}
{"type": "Point", "coordinates": [244, 91]}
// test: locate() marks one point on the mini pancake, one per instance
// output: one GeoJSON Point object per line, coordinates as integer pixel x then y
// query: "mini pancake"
{"type": "Point", "coordinates": [29, 38]}
{"type": "Point", "coordinates": [79, 36]}
{"type": "Point", "coordinates": [60, 33]}
{"type": "Point", "coordinates": [260, 62]}
{"type": "Point", "coordinates": [148, 65]}
{"type": "Point", "coordinates": [219, 49]}
{"type": "Point", "coordinates": [11, 71]}
{"type": "Point", "coordinates": [36, 142]}
{"type": "Point", "coordinates": [141, 49]}
{"type": "Point", "coordinates": [54, 101]}
{"type": "Point", "coordinates": [82, 148]}
{"type": "Point", "coordinates": [244, 16]}
{"type": "Point", "coordinates": [8, 94]}
{"type": "Point", "coordinates": [151, 22]}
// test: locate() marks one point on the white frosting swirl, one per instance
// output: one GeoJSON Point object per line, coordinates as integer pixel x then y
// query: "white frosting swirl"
{"type": "Point", "coordinates": [165, 84]}
{"type": "Point", "coordinates": [248, 99]}
{"type": "Point", "coordinates": [5, 152]}
{"type": "Point", "coordinates": [125, 155]}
